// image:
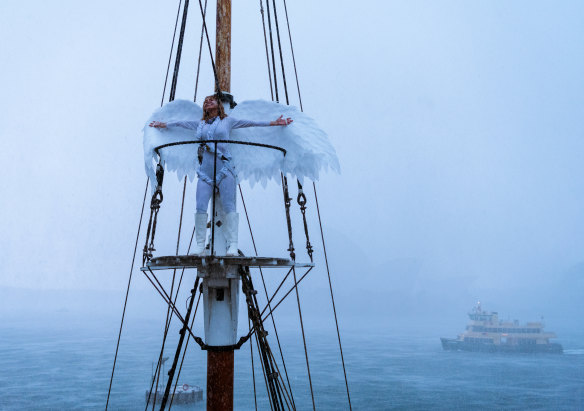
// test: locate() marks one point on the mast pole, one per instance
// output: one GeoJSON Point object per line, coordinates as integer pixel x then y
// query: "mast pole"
{"type": "Point", "coordinates": [223, 45]}
{"type": "Point", "coordinates": [220, 364]}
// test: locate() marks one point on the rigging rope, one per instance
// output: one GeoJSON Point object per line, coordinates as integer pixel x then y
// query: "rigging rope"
{"type": "Point", "coordinates": [285, 295]}
{"type": "Point", "coordinates": [127, 292]}
{"type": "Point", "coordinates": [141, 216]}
{"type": "Point", "coordinates": [274, 386]}
{"type": "Point", "coordinates": [185, 351]}
{"type": "Point", "coordinates": [179, 51]}
{"type": "Point", "coordinates": [287, 198]}
{"type": "Point", "coordinates": [315, 193]}
{"type": "Point", "coordinates": [170, 54]}
{"type": "Point", "coordinates": [303, 338]}
{"type": "Point", "coordinates": [267, 298]}
{"type": "Point", "coordinates": [293, 57]}
{"type": "Point", "coordinates": [255, 398]}
{"type": "Point", "coordinates": [200, 53]}
{"type": "Point", "coordinates": [280, 50]}
{"type": "Point", "coordinates": [179, 346]}
{"type": "Point", "coordinates": [184, 188]}
{"type": "Point", "coordinates": [168, 316]}
{"type": "Point", "coordinates": [166, 329]}
{"type": "Point", "coordinates": [192, 322]}
{"type": "Point", "coordinates": [266, 45]}
{"type": "Point", "coordinates": [332, 296]}
{"type": "Point", "coordinates": [272, 49]}
{"type": "Point", "coordinates": [171, 98]}
{"type": "Point", "coordinates": [203, 16]}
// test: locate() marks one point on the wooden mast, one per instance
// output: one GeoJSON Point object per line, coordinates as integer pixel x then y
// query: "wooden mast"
{"type": "Point", "coordinates": [220, 364]}
{"type": "Point", "coordinates": [223, 45]}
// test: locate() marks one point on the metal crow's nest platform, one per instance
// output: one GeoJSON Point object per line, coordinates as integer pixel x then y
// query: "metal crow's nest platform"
{"type": "Point", "coordinates": [195, 261]}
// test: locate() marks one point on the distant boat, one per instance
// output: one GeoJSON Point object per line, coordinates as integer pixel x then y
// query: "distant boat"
{"type": "Point", "coordinates": [486, 332]}
{"type": "Point", "coordinates": [184, 394]}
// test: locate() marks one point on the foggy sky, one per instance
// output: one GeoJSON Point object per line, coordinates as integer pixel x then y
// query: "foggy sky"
{"type": "Point", "coordinates": [459, 127]}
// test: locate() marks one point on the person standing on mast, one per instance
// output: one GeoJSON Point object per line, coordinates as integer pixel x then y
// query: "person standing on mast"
{"type": "Point", "coordinates": [216, 125]}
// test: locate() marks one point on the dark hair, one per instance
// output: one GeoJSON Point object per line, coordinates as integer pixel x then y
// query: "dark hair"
{"type": "Point", "coordinates": [220, 108]}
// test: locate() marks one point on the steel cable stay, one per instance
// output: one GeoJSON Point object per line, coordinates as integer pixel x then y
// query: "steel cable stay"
{"type": "Point", "coordinates": [179, 51]}
{"type": "Point", "coordinates": [200, 53]}
{"type": "Point", "coordinates": [266, 45]}
{"type": "Point", "coordinates": [264, 372]}
{"type": "Point", "coordinates": [314, 184]}
{"type": "Point", "coordinates": [127, 293]}
{"type": "Point", "coordinates": [140, 223]}
{"type": "Point", "coordinates": [168, 316]}
{"type": "Point", "coordinates": [255, 398]}
{"type": "Point", "coordinates": [287, 198]}
{"type": "Point", "coordinates": [272, 50]}
{"type": "Point", "coordinates": [171, 306]}
{"type": "Point", "coordinates": [174, 309]}
{"type": "Point", "coordinates": [286, 295]}
{"type": "Point", "coordinates": [185, 180]}
{"type": "Point", "coordinates": [157, 199]}
{"type": "Point", "coordinates": [179, 346]}
{"type": "Point", "coordinates": [332, 296]}
{"type": "Point", "coordinates": [192, 321]}
{"type": "Point", "coordinates": [156, 203]}
{"type": "Point", "coordinates": [283, 298]}
{"type": "Point", "coordinates": [204, 23]}
{"type": "Point", "coordinates": [265, 317]}
{"type": "Point", "coordinates": [319, 219]}
{"type": "Point", "coordinates": [184, 352]}
{"type": "Point", "coordinates": [159, 362]}
{"type": "Point", "coordinates": [170, 54]}
{"type": "Point", "coordinates": [167, 299]}
{"type": "Point", "coordinates": [266, 293]}
{"type": "Point", "coordinates": [191, 327]}
{"type": "Point", "coordinates": [280, 51]}
{"type": "Point", "coordinates": [275, 383]}
{"type": "Point", "coordinates": [160, 357]}
{"type": "Point", "coordinates": [293, 57]}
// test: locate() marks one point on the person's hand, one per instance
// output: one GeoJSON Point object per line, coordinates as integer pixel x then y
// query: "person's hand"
{"type": "Point", "coordinates": [280, 121]}
{"type": "Point", "coordinates": [157, 124]}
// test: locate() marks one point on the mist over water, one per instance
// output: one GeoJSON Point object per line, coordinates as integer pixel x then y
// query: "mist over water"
{"type": "Point", "coordinates": [63, 361]}
{"type": "Point", "coordinates": [459, 130]}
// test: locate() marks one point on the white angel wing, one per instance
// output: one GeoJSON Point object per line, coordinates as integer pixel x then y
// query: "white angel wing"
{"type": "Point", "coordinates": [308, 150]}
{"type": "Point", "coordinates": [183, 158]}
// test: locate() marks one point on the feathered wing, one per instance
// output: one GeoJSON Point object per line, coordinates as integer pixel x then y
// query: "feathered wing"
{"type": "Point", "coordinates": [308, 149]}
{"type": "Point", "coordinates": [181, 159]}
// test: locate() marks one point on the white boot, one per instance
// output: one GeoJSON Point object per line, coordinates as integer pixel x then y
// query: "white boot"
{"type": "Point", "coordinates": [231, 230]}
{"type": "Point", "coordinates": [200, 233]}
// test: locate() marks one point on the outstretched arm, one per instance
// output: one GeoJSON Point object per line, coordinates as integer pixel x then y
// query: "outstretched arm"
{"type": "Point", "coordinates": [192, 125]}
{"type": "Point", "coordinates": [280, 121]}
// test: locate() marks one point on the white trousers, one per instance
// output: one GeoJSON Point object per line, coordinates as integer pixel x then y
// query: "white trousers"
{"type": "Point", "coordinates": [226, 186]}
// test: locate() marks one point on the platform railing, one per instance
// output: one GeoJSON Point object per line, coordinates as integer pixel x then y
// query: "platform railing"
{"type": "Point", "coordinates": [212, 258]}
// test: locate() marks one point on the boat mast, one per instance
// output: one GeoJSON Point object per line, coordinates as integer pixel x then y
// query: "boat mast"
{"type": "Point", "coordinates": [223, 45]}
{"type": "Point", "coordinates": [220, 364]}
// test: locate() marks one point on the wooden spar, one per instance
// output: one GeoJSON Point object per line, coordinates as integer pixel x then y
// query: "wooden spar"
{"type": "Point", "coordinates": [220, 365]}
{"type": "Point", "coordinates": [223, 45]}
